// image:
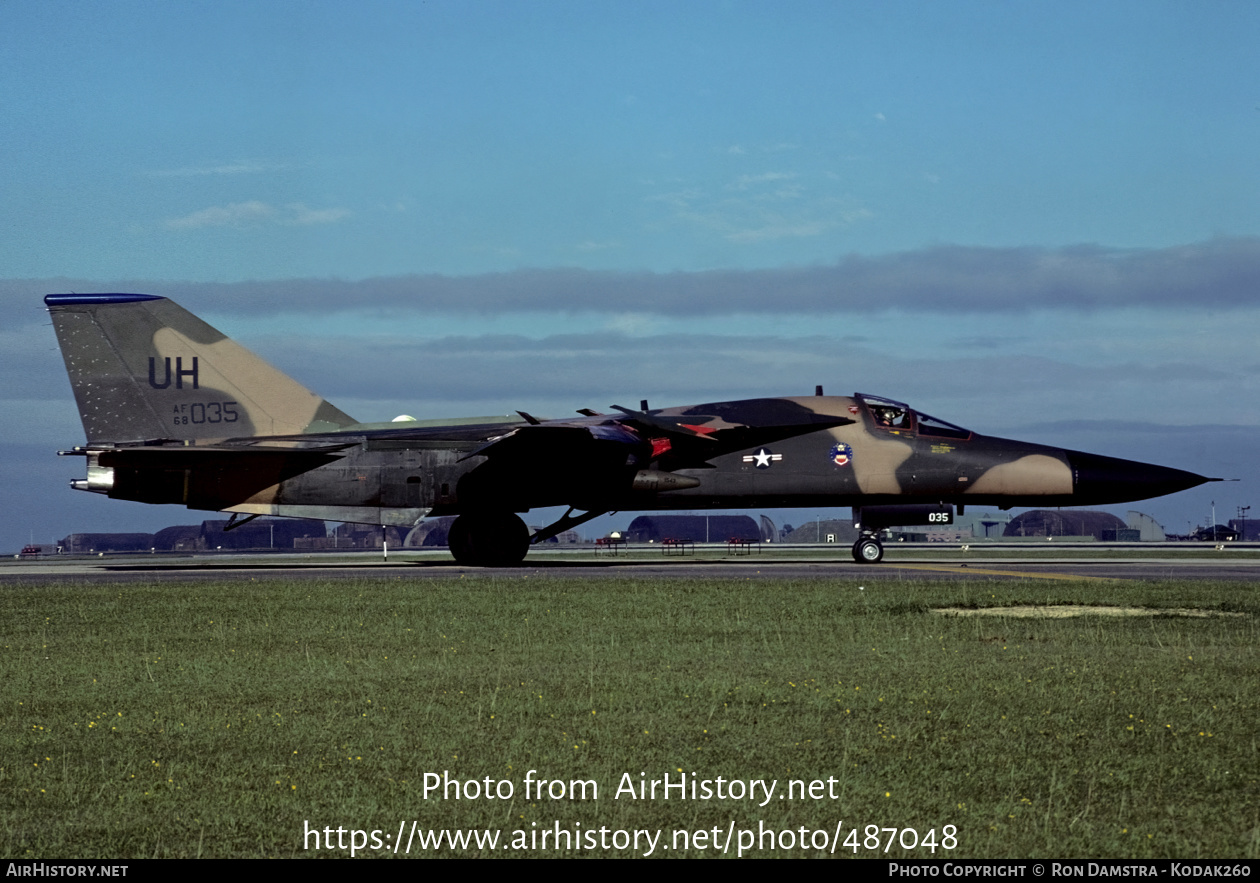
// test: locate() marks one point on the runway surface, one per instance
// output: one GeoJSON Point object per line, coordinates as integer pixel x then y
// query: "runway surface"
{"type": "Point", "coordinates": [406, 565]}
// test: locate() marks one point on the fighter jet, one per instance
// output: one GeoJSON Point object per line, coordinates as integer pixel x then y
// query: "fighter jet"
{"type": "Point", "coordinates": [175, 412]}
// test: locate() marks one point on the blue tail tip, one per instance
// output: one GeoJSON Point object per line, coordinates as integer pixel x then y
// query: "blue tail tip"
{"type": "Point", "coordinates": [64, 300]}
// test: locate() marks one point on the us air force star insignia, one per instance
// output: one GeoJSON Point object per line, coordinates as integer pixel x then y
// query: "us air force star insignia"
{"type": "Point", "coordinates": [763, 458]}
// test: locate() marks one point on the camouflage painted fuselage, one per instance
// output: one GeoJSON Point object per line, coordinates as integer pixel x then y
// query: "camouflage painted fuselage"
{"type": "Point", "coordinates": [869, 462]}
{"type": "Point", "coordinates": [399, 475]}
{"type": "Point", "coordinates": [174, 412]}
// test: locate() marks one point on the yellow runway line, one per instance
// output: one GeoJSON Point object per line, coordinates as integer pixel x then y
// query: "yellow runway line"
{"type": "Point", "coordinates": [956, 568]}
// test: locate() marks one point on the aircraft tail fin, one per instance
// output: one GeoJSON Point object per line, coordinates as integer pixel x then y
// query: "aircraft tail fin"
{"type": "Point", "coordinates": [142, 367]}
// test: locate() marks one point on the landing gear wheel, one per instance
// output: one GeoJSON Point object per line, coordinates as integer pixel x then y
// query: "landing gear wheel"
{"type": "Point", "coordinates": [489, 539]}
{"type": "Point", "coordinates": [868, 550]}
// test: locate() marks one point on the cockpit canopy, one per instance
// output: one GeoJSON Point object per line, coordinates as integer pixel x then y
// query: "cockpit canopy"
{"type": "Point", "coordinates": [900, 417]}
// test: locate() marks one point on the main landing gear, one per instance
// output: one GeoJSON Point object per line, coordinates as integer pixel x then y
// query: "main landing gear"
{"type": "Point", "coordinates": [868, 550]}
{"type": "Point", "coordinates": [501, 539]}
{"type": "Point", "coordinates": [489, 539]}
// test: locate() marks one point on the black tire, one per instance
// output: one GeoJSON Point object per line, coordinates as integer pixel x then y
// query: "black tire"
{"type": "Point", "coordinates": [868, 550]}
{"type": "Point", "coordinates": [489, 539]}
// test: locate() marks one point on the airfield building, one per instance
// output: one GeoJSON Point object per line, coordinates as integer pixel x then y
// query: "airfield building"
{"type": "Point", "coordinates": [1149, 530]}
{"type": "Point", "coordinates": [364, 536]}
{"type": "Point", "coordinates": [87, 543]}
{"type": "Point", "coordinates": [270, 533]}
{"type": "Point", "coordinates": [1065, 523]}
{"type": "Point", "coordinates": [827, 530]}
{"type": "Point", "coordinates": [430, 532]}
{"type": "Point", "coordinates": [261, 533]}
{"type": "Point", "coordinates": [1248, 528]}
{"type": "Point", "coordinates": [693, 528]}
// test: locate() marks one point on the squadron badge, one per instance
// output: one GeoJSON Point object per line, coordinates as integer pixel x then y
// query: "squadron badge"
{"type": "Point", "coordinates": [841, 454]}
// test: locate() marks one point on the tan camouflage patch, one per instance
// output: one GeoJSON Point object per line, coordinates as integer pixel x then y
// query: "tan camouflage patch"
{"type": "Point", "coordinates": [271, 401]}
{"type": "Point", "coordinates": [876, 457]}
{"type": "Point", "coordinates": [1034, 475]}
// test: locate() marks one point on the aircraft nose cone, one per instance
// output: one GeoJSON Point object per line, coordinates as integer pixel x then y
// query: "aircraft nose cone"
{"type": "Point", "coordinates": [1099, 479]}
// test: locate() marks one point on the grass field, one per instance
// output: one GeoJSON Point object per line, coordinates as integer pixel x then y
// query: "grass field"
{"type": "Point", "coordinates": [222, 718]}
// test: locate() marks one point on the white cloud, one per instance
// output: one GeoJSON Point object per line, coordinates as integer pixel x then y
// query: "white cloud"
{"type": "Point", "coordinates": [306, 216]}
{"type": "Point", "coordinates": [591, 246]}
{"type": "Point", "coordinates": [245, 167]}
{"type": "Point", "coordinates": [254, 212]}
{"type": "Point", "coordinates": [779, 230]}
{"type": "Point", "coordinates": [633, 324]}
{"type": "Point", "coordinates": [744, 182]}
{"type": "Point", "coordinates": [234, 214]}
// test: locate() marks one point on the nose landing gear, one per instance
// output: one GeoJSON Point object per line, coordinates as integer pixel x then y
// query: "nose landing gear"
{"type": "Point", "coordinates": [868, 550]}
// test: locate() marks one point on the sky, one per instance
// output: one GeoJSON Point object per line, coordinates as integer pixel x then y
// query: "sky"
{"type": "Point", "coordinates": [1037, 220]}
